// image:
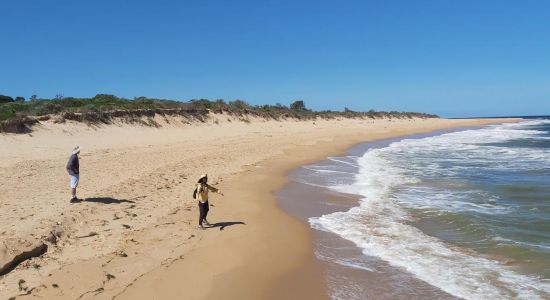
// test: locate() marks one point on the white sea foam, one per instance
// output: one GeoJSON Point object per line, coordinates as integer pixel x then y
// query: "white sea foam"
{"type": "Point", "coordinates": [324, 170]}
{"type": "Point", "coordinates": [379, 224]}
{"type": "Point", "coordinates": [342, 161]}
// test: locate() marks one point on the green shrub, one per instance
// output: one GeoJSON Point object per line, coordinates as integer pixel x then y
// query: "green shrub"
{"type": "Point", "coordinates": [5, 99]}
{"type": "Point", "coordinates": [298, 105]}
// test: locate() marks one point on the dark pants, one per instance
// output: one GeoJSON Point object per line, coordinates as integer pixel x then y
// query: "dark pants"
{"type": "Point", "coordinates": [203, 208]}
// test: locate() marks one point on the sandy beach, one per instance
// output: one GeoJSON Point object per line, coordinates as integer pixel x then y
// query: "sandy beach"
{"type": "Point", "coordinates": [135, 236]}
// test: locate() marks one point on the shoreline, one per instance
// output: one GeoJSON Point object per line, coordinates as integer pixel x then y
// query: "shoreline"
{"type": "Point", "coordinates": [352, 274]}
{"type": "Point", "coordinates": [269, 256]}
{"type": "Point", "coordinates": [379, 280]}
{"type": "Point", "coordinates": [299, 270]}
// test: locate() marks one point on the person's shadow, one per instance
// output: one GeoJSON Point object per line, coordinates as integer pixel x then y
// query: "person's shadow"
{"type": "Point", "coordinates": [107, 200]}
{"type": "Point", "coordinates": [222, 225]}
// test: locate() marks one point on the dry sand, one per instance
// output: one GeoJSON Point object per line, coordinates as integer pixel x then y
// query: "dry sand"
{"type": "Point", "coordinates": [136, 237]}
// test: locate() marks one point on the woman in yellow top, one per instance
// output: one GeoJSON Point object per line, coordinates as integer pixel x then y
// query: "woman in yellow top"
{"type": "Point", "coordinates": [201, 194]}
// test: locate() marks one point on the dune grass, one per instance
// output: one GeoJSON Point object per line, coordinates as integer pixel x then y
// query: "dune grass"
{"type": "Point", "coordinates": [103, 108]}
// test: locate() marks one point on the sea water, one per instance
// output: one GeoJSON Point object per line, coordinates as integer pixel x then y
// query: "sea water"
{"type": "Point", "coordinates": [467, 212]}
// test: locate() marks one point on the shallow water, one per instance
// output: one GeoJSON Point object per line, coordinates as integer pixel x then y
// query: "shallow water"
{"type": "Point", "coordinates": [467, 212]}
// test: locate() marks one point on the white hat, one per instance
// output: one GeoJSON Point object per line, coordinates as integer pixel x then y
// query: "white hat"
{"type": "Point", "coordinates": [76, 149]}
{"type": "Point", "coordinates": [203, 176]}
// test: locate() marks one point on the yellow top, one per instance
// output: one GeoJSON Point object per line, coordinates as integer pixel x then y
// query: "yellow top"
{"type": "Point", "coordinates": [202, 191]}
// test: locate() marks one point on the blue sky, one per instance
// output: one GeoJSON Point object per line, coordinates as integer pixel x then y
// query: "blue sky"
{"type": "Point", "coordinates": [453, 58]}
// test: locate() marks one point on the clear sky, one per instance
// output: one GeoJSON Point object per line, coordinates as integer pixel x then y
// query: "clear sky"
{"type": "Point", "coordinates": [450, 57]}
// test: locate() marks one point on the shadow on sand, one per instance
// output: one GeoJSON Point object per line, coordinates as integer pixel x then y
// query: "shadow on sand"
{"type": "Point", "coordinates": [107, 200]}
{"type": "Point", "coordinates": [222, 225]}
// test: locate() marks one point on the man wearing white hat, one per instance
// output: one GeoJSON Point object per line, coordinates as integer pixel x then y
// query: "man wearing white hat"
{"type": "Point", "coordinates": [73, 167]}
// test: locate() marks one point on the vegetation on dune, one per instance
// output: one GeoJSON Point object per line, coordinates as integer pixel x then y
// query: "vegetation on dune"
{"type": "Point", "coordinates": [16, 114]}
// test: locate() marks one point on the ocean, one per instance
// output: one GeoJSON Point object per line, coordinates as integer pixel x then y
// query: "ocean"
{"type": "Point", "coordinates": [466, 212]}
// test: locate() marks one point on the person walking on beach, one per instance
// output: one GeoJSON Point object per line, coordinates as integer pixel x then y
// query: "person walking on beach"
{"type": "Point", "coordinates": [201, 194]}
{"type": "Point", "coordinates": [73, 167]}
